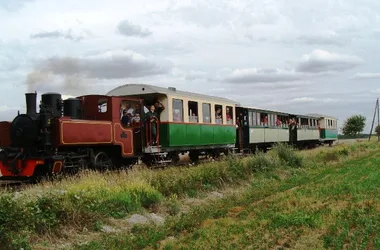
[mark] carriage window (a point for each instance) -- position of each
(193, 111)
(177, 110)
(250, 115)
(229, 114)
(218, 114)
(102, 105)
(304, 122)
(206, 110)
(258, 118)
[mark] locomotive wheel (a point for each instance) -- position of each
(102, 161)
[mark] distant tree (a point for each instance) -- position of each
(354, 125)
(377, 130)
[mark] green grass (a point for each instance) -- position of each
(281, 204)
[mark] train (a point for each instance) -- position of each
(144, 123)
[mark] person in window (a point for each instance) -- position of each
(125, 120)
(228, 115)
(136, 120)
(129, 110)
(152, 118)
(218, 115)
(265, 121)
(137, 109)
(278, 122)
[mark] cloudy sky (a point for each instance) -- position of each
(319, 57)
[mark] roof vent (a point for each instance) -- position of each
(172, 88)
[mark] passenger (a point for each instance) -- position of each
(218, 116)
(278, 122)
(151, 116)
(136, 120)
(228, 115)
(265, 120)
(159, 107)
(129, 110)
(137, 109)
(125, 120)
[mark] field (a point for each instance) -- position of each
(316, 199)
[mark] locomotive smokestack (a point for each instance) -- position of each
(31, 103)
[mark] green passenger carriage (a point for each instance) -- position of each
(328, 128)
(190, 122)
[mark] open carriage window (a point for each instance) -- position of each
(130, 113)
(193, 111)
(177, 110)
(218, 114)
(102, 105)
(229, 114)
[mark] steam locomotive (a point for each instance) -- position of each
(49, 141)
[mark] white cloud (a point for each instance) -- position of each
(366, 76)
(319, 61)
(255, 75)
(376, 91)
(312, 100)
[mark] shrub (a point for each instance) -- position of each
(262, 162)
(288, 155)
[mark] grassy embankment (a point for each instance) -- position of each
(312, 199)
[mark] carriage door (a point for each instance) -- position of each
(138, 129)
(293, 130)
(242, 131)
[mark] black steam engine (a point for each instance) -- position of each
(32, 135)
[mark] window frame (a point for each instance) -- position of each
(203, 113)
(181, 110)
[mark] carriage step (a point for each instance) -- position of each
(152, 149)
(163, 161)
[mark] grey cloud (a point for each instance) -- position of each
(126, 28)
(268, 75)
(77, 74)
(319, 61)
(109, 65)
(57, 34)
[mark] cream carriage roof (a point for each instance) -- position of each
(140, 89)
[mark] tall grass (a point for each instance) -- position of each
(90, 197)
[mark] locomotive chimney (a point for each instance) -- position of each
(31, 103)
